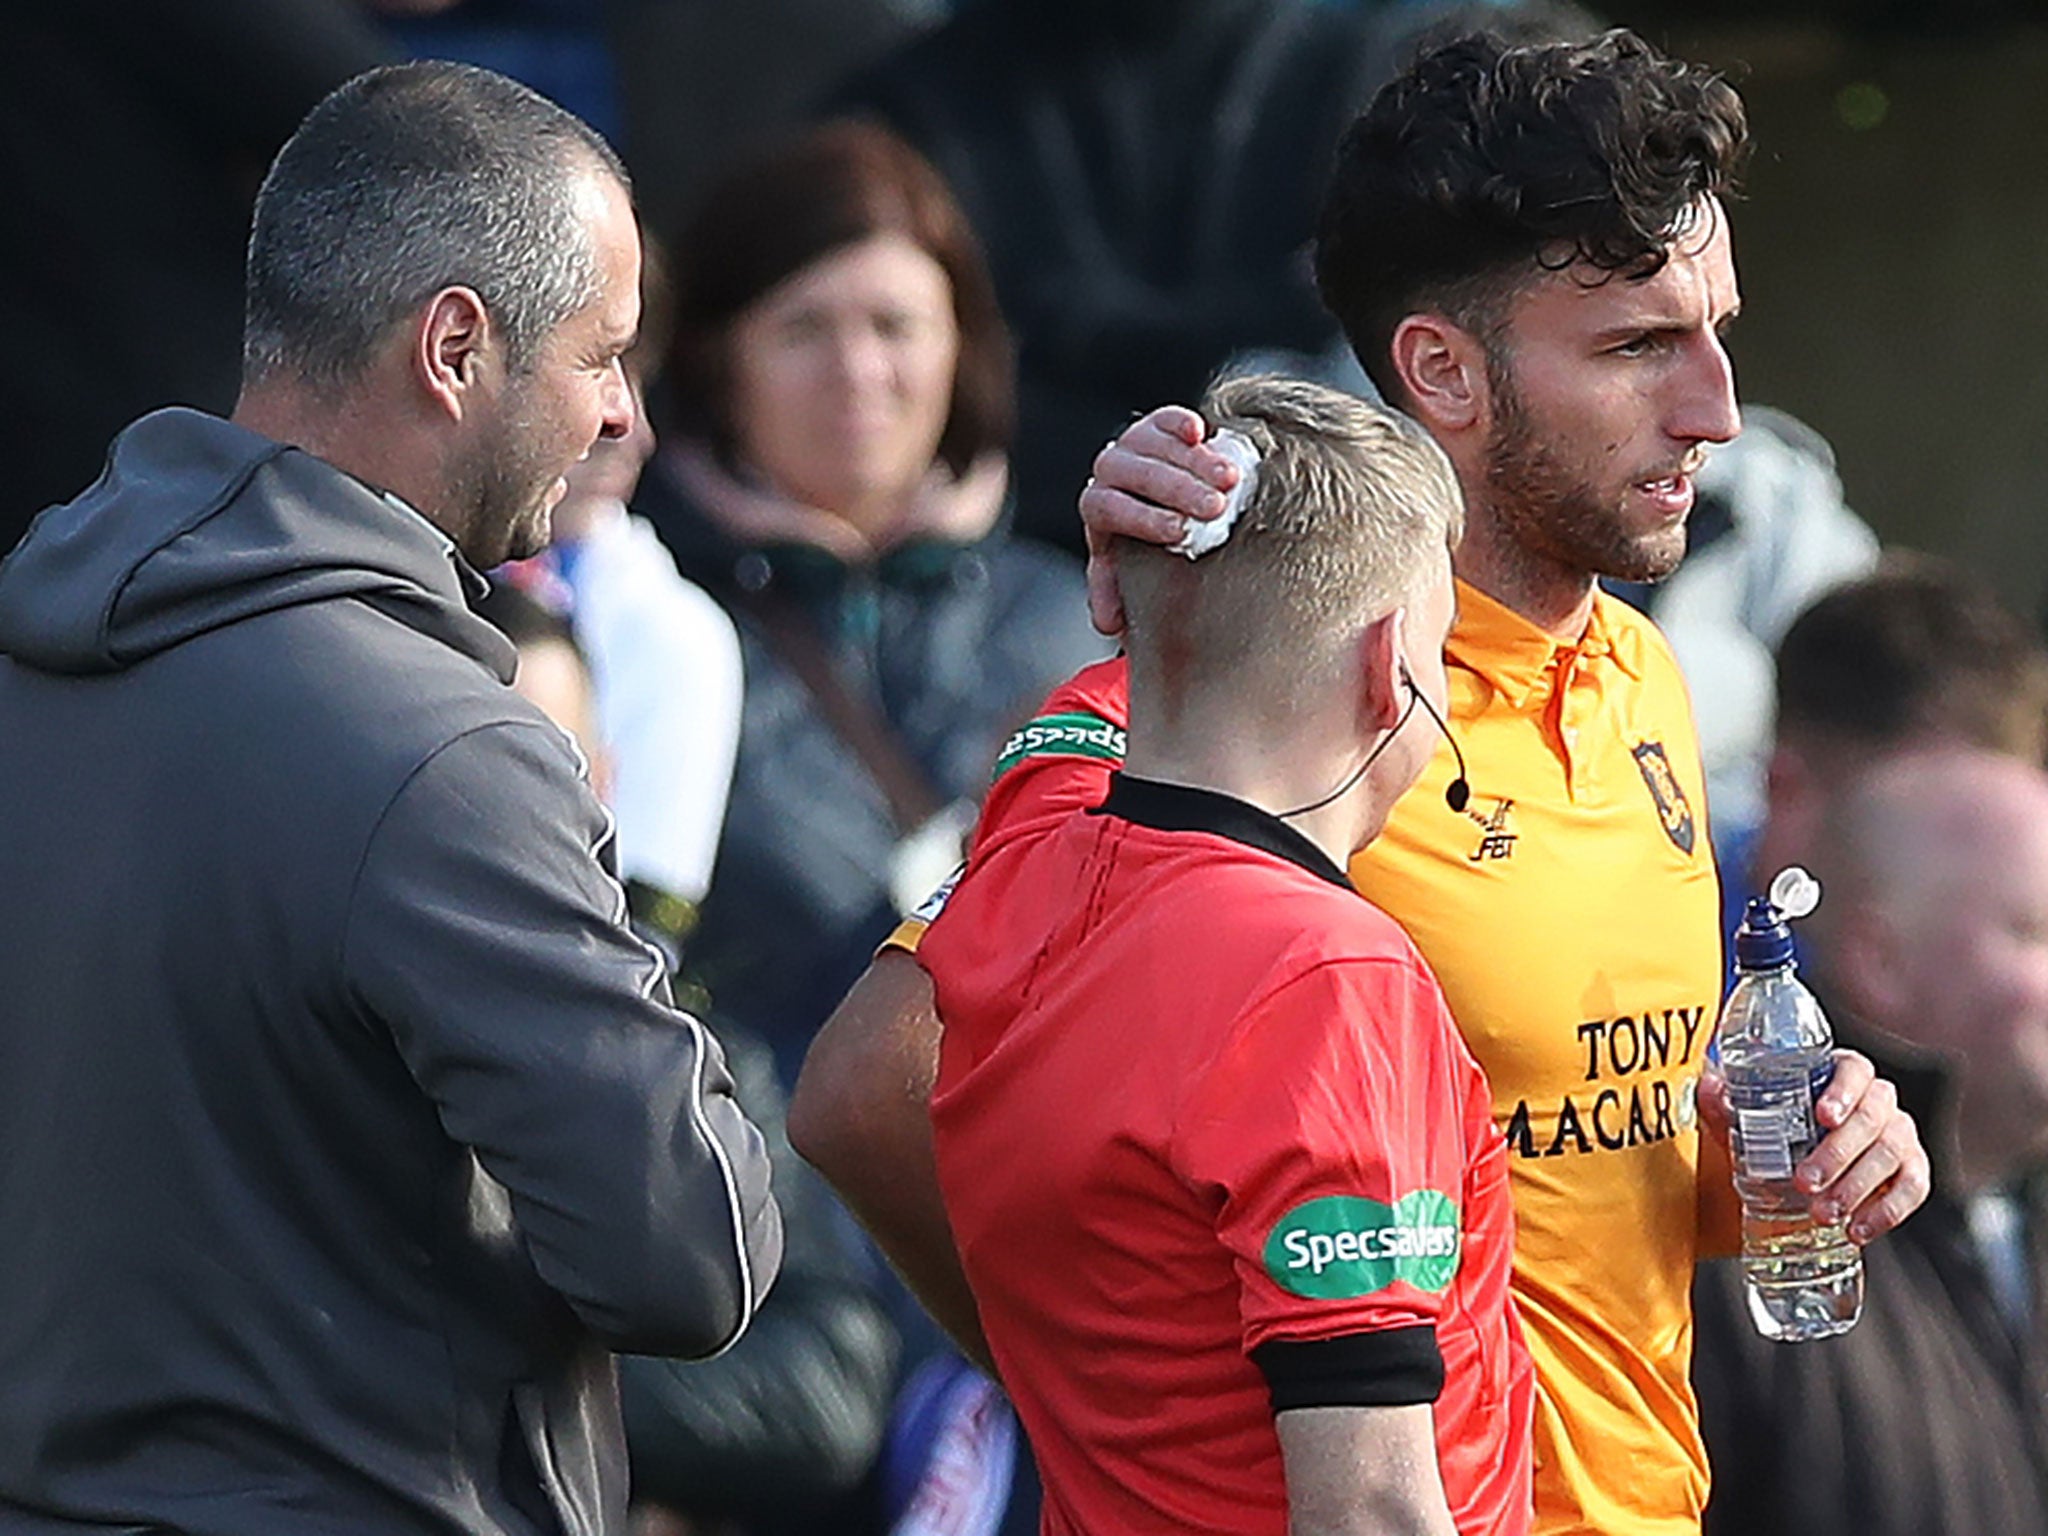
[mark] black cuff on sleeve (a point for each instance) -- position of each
(1388, 1368)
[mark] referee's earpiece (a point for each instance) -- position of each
(1458, 793)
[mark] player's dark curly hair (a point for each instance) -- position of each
(1482, 164)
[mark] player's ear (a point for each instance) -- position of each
(1442, 368)
(1383, 672)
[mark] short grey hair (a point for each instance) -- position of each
(404, 181)
(1353, 513)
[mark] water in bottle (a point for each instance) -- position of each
(1804, 1278)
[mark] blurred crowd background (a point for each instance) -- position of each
(793, 629)
(1887, 242)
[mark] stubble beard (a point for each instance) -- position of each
(1553, 513)
(505, 494)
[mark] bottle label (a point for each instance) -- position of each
(1773, 1126)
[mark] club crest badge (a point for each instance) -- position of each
(1673, 810)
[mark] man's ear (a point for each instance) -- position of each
(1382, 672)
(1442, 368)
(451, 345)
(1788, 779)
(1864, 964)
(1793, 808)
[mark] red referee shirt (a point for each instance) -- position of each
(1212, 1148)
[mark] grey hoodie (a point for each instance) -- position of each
(344, 1126)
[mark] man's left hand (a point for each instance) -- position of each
(1869, 1166)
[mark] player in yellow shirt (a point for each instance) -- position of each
(1528, 251)
(1573, 918)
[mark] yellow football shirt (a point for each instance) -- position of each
(1571, 913)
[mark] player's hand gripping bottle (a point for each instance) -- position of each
(1804, 1278)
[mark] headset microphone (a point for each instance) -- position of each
(1457, 793)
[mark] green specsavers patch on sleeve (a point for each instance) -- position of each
(1344, 1246)
(1076, 734)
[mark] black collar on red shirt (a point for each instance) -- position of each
(1181, 808)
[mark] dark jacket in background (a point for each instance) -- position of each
(778, 1433)
(135, 136)
(1929, 1418)
(950, 644)
(344, 1127)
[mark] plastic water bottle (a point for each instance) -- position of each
(1803, 1277)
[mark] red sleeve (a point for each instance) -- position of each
(1060, 760)
(1319, 1133)
(1054, 764)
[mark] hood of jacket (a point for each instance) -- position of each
(196, 524)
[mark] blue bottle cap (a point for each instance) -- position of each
(1764, 941)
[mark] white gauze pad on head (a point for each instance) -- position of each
(1200, 537)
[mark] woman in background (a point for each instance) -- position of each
(834, 472)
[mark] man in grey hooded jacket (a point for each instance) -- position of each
(344, 1125)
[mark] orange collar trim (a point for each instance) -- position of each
(1514, 656)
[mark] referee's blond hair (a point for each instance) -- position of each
(1354, 509)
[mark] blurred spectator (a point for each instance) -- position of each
(778, 1434)
(135, 134)
(842, 390)
(663, 654)
(553, 675)
(666, 660)
(1146, 175)
(1769, 533)
(1928, 1418)
(1919, 656)
(1918, 653)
